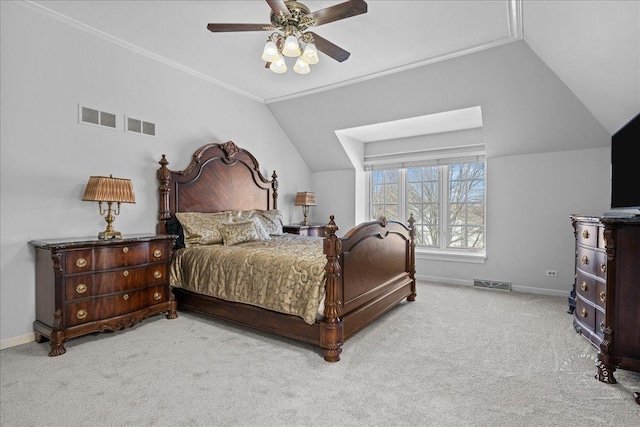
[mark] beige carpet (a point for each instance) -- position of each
(456, 356)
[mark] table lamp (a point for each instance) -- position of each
(111, 190)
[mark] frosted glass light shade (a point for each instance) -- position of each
(301, 67)
(278, 66)
(310, 54)
(291, 47)
(270, 52)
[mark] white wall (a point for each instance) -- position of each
(47, 157)
(529, 201)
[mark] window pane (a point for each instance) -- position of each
(457, 237)
(377, 177)
(391, 212)
(431, 236)
(391, 176)
(377, 194)
(414, 174)
(476, 237)
(475, 214)
(391, 193)
(414, 193)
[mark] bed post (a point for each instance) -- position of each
(274, 185)
(331, 327)
(412, 258)
(164, 176)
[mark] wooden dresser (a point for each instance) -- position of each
(607, 290)
(91, 285)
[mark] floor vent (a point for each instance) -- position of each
(92, 116)
(140, 127)
(492, 284)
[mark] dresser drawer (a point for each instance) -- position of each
(586, 259)
(121, 280)
(80, 312)
(600, 297)
(78, 261)
(585, 313)
(157, 294)
(602, 243)
(585, 286)
(588, 235)
(601, 264)
(121, 256)
(157, 273)
(79, 286)
(159, 251)
(600, 323)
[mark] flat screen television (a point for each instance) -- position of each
(625, 166)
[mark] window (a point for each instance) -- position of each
(447, 202)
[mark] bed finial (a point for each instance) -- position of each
(164, 176)
(274, 185)
(230, 150)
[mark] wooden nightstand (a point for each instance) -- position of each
(90, 285)
(305, 230)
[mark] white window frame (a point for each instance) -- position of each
(442, 253)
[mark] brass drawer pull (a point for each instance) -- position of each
(603, 297)
(157, 253)
(603, 267)
(125, 249)
(81, 288)
(602, 326)
(81, 262)
(584, 286)
(125, 273)
(125, 297)
(157, 296)
(583, 312)
(81, 314)
(585, 260)
(157, 274)
(585, 234)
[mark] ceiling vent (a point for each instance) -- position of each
(140, 126)
(95, 117)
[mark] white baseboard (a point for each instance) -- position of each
(514, 288)
(12, 342)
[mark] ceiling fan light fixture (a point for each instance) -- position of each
(301, 67)
(291, 47)
(310, 54)
(278, 66)
(270, 52)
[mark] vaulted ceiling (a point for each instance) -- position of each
(593, 46)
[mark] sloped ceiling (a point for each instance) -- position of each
(592, 46)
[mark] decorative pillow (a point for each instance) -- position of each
(271, 220)
(262, 233)
(239, 232)
(203, 228)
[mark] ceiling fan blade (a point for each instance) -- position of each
(330, 49)
(222, 28)
(339, 11)
(278, 6)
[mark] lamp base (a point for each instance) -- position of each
(105, 235)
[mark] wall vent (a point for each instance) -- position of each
(492, 284)
(95, 117)
(140, 126)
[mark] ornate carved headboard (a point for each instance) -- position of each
(220, 177)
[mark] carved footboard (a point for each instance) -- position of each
(368, 271)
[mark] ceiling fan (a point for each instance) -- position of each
(290, 21)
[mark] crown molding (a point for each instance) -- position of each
(129, 46)
(514, 21)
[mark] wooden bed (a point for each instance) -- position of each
(368, 271)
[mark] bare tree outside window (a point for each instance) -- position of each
(447, 202)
